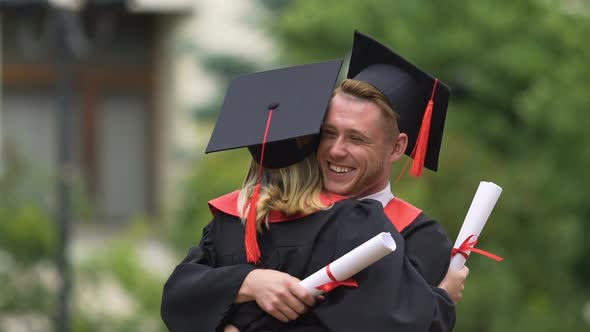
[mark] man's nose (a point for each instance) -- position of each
(338, 149)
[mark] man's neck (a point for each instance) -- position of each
(384, 195)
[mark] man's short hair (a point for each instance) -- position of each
(366, 92)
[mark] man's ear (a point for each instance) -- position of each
(399, 147)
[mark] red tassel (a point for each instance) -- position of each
(422, 143)
(250, 242)
(419, 153)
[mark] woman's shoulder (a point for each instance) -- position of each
(331, 199)
(363, 206)
(227, 204)
(353, 210)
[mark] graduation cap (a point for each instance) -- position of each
(419, 99)
(298, 97)
(267, 112)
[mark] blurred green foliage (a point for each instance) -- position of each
(28, 241)
(29, 279)
(518, 117)
(120, 262)
(26, 230)
(214, 175)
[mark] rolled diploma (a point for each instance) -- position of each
(481, 207)
(352, 263)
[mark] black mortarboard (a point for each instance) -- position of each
(266, 112)
(409, 90)
(299, 97)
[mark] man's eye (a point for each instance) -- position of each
(356, 139)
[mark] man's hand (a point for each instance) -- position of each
(454, 283)
(230, 328)
(277, 293)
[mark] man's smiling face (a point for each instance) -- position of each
(356, 150)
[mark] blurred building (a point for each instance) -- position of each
(121, 92)
(135, 92)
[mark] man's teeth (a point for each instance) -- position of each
(340, 169)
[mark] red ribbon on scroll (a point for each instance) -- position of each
(468, 245)
(350, 282)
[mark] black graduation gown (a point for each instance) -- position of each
(392, 296)
(428, 248)
(427, 245)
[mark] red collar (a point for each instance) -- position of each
(228, 204)
(401, 213)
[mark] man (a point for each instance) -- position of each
(371, 122)
(360, 143)
(388, 107)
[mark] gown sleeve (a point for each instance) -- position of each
(198, 294)
(392, 295)
(428, 248)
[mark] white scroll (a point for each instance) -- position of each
(481, 207)
(351, 263)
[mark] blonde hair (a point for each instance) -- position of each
(291, 190)
(364, 91)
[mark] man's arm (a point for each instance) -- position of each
(230, 328)
(428, 248)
